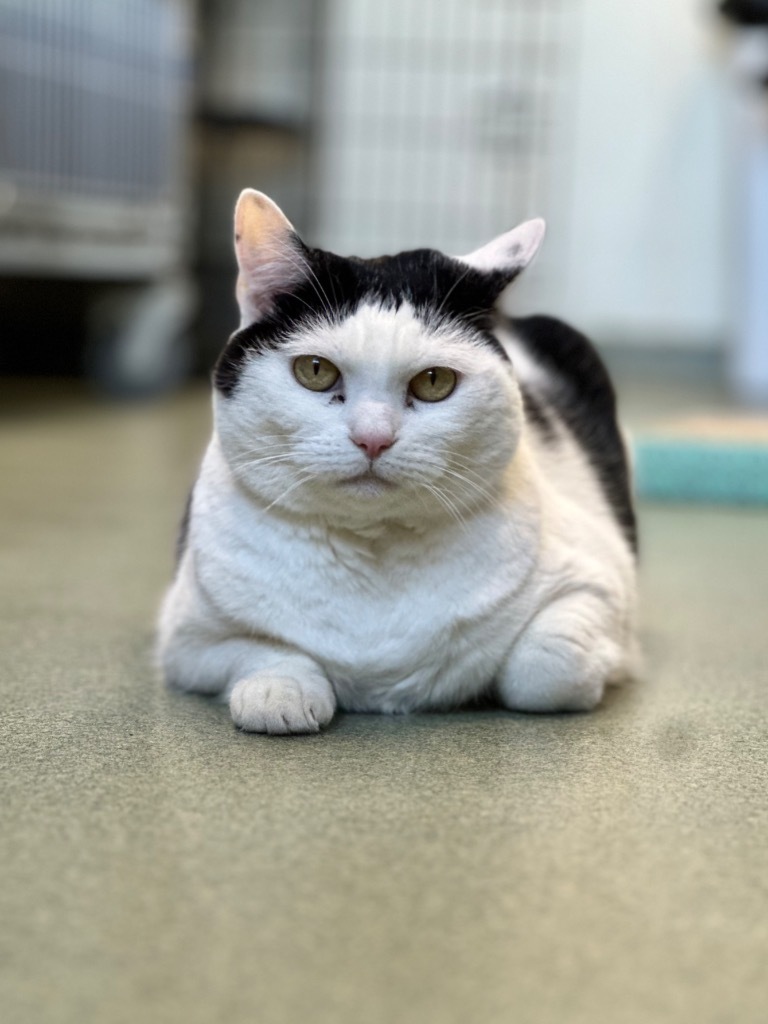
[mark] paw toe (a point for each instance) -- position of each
(278, 706)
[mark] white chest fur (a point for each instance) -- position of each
(403, 619)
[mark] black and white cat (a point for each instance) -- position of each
(408, 501)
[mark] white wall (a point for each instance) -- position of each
(648, 190)
(631, 176)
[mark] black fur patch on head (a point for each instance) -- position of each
(582, 394)
(440, 289)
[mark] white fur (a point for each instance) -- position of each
(479, 557)
(510, 252)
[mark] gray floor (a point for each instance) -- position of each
(478, 867)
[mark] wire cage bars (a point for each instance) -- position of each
(92, 124)
(443, 123)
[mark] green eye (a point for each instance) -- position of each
(315, 373)
(434, 384)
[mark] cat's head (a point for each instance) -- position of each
(361, 391)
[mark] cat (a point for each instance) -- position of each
(410, 501)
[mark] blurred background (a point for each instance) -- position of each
(640, 131)
(159, 865)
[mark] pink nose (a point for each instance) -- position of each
(373, 444)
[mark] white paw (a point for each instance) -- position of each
(276, 704)
(555, 676)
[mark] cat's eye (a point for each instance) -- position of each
(434, 384)
(315, 373)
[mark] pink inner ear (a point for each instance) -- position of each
(269, 260)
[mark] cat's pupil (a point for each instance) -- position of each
(316, 366)
(432, 374)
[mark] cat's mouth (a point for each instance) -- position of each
(368, 482)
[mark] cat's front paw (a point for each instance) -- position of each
(547, 681)
(277, 704)
(564, 660)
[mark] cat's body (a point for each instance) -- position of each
(358, 546)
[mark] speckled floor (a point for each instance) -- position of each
(157, 865)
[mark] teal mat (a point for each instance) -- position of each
(680, 468)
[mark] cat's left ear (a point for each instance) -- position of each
(510, 253)
(270, 256)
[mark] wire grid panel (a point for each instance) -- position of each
(441, 123)
(92, 132)
(257, 59)
(92, 96)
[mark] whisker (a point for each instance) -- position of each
(450, 291)
(469, 473)
(308, 475)
(267, 449)
(306, 270)
(461, 462)
(444, 500)
(482, 491)
(266, 460)
(452, 508)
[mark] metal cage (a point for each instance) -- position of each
(92, 124)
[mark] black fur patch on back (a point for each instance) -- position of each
(586, 401)
(439, 288)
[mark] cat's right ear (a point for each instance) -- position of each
(270, 256)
